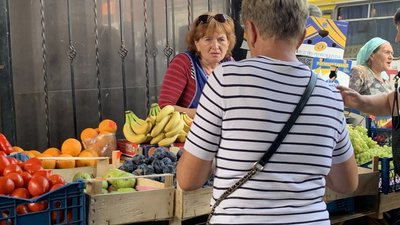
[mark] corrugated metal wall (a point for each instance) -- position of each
(58, 95)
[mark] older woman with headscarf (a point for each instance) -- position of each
(369, 77)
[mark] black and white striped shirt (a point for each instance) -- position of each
(242, 109)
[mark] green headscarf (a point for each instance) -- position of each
(367, 49)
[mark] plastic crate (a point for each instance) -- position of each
(67, 206)
(340, 206)
(389, 180)
(374, 130)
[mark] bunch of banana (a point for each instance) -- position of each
(169, 126)
(188, 121)
(136, 130)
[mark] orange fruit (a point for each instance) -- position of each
(32, 153)
(65, 164)
(90, 162)
(48, 163)
(94, 152)
(17, 149)
(52, 152)
(88, 133)
(71, 146)
(107, 126)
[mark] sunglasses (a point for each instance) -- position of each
(207, 18)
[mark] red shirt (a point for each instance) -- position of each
(179, 85)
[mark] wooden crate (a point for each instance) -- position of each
(101, 167)
(124, 208)
(386, 203)
(368, 185)
(189, 204)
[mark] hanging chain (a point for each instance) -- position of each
(123, 51)
(96, 31)
(46, 97)
(189, 13)
(168, 50)
(230, 8)
(71, 55)
(146, 53)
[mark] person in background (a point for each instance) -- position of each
(314, 10)
(380, 104)
(369, 76)
(333, 75)
(210, 41)
(243, 107)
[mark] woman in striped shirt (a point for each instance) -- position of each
(210, 42)
(243, 107)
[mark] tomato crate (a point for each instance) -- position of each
(379, 129)
(65, 205)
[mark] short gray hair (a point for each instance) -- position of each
(314, 10)
(283, 19)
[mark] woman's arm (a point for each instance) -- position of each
(192, 172)
(378, 105)
(190, 112)
(343, 177)
(175, 80)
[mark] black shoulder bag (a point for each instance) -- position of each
(259, 165)
(396, 127)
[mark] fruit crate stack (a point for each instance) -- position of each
(380, 129)
(389, 186)
(65, 205)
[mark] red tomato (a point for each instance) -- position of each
(26, 176)
(22, 209)
(32, 165)
(56, 186)
(37, 206)
(6, 186)
(12, 168)
(43, 173)
(5, 215)
(21, 193)
(17, 178)
(57, 216)
(3, 154)
(13, 160)
(38, 185)
(3, 163)
(56, 179)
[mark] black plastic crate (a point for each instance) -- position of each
(341, 206)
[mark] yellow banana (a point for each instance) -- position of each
(134, 138)
(159, 127)
(167, 141)
(137, 119)
(157, 138)
(139, 128)
(186, 127)
(152, 119)
(177, 129)
(173, 121)
(187, 119)
(181, 137)
(167, 110)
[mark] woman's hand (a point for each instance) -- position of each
(351, 98)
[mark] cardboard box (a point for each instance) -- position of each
(325, 38)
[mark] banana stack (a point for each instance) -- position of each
(162, 126)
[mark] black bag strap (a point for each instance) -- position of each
(285, 130)
(259, 165)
